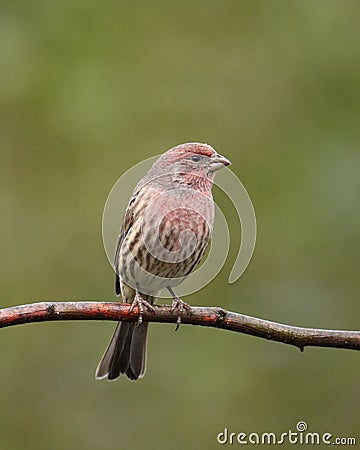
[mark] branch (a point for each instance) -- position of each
(205, 316)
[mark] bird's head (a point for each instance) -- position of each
(191, 164)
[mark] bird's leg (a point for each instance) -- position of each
(141, 303)
(178, 304)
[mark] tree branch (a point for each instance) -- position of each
(205, 316)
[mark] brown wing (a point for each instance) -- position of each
(124, 229)
(139, 198)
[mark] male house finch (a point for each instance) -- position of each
(163, 236)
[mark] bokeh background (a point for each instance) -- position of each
(88, 89)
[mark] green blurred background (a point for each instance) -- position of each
(88, 89)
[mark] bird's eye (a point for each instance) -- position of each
(195, 158)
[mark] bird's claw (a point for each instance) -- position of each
(180, 306)
(140, 303)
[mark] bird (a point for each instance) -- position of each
(164, 234)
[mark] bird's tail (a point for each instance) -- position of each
(126, 352)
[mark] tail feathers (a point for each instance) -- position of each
(137, 363)
(126, 353)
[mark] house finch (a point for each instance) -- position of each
(163, 236)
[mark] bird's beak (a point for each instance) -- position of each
(217, 162)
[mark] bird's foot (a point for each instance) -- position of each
(141, 304)
(179, 305)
